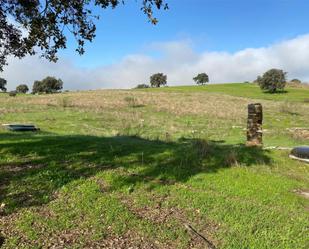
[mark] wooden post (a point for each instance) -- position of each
(254, 125)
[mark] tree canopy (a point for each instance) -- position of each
(22, 88)
(296, 81)
(272, 80)
(47, 85)
(158, 79)
(26, 26)
(201, 78)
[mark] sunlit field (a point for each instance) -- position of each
(146, 168)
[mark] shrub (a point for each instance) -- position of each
(201, 79)
(272, 80)
(158, 79)
(142, 86)
(22, 88)
(12, 93)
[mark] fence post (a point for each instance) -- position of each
(254, 125)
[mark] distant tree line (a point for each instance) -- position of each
(47, 85)
(272, 81)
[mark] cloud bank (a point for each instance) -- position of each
(177, 59)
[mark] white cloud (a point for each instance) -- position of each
(177, 59)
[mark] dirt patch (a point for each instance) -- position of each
(13, 168)
(72, 237)
(159, 213)
(128, 240)
(302, 192)
(299, 133)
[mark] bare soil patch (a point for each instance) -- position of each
(161, 214)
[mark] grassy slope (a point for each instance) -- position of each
(246, 90)
(130, 168)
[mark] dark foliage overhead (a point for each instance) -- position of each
(3, 84)
(26, 26)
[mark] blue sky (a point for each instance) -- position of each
(213, 25)
(231, 40)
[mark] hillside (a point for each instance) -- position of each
(298, 94)
(136, 168)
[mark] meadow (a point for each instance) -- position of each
(154, 168)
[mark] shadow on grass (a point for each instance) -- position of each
(276, 92)
(36, 166)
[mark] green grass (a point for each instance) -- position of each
(244, 90)
(105, 172)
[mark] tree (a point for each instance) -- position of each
(3, 84)
(296, 81)
(38, 87)
(158, 79)
(52, 85)
(22, 88)
(272, 80)
(201, 79)
(47, 85)
(27, 25)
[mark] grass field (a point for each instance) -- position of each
(298, 94)
(136, 168)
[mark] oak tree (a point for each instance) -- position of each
(32, 25)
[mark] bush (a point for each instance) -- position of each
(22, 88)
(12, 93)
(158, 79)
(272, 80)
(201, 79)
(47, 85)
(142, 86)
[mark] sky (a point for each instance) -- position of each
(230, 40)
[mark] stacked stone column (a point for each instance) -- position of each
(254, 125)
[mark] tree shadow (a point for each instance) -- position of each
(38, 165)
(276, 92)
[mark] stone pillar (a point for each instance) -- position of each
(254, 125)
